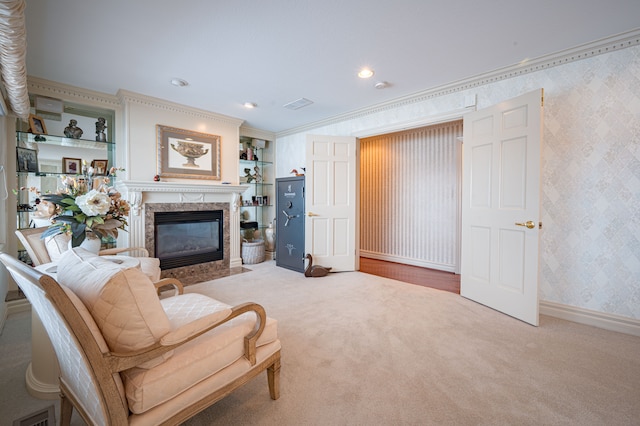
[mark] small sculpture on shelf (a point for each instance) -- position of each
(101, 125)
(257, 176)
(248, 176)
(72, 130)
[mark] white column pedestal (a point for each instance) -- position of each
(43, 372)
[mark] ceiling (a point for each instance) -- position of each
(277, 51)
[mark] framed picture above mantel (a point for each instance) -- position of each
(186, 154)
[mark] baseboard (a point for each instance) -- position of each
(13, 307)
(19, 305)
(596, 319)
(407, 261)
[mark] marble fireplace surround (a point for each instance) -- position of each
(149, 197)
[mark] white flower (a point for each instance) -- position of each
(94, 203)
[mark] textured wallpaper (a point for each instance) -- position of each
(590, 242)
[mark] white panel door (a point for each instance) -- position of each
(501, 206)
(330, 201)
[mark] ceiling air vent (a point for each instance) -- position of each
(298, 103)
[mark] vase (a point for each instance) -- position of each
(270, 238)
(91, 243)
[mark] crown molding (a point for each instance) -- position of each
(127, 97)
(584, 51)
(252, 132)
(40, 86)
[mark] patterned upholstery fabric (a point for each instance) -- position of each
(73, 365)
(199, 370)
(196, 360)
(123, 302)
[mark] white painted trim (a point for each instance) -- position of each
(598, 47)
(430, 120)
(406, 261)
(16, 306)
(252, 132)
(179, 187)
(603, 320)
(126, 97)
(40, 86)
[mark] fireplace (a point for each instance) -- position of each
(191, 240)
(188, 237)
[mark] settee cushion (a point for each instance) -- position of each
(123, 302)
(196, 360)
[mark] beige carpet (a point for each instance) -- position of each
(364, 350)
(360, 349)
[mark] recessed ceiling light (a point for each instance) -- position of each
(365, 73)
(250, 105)
(178, 82)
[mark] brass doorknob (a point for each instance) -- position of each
(529, 224)
(311, 214)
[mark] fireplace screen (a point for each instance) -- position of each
(188, 237)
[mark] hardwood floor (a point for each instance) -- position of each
(440, 280)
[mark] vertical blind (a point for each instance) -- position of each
(409, 196)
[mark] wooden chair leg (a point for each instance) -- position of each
(273, 376)
(66, 410)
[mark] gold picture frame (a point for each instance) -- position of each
(186, 154)
(100, 167)
(36, 125)
(71, 166)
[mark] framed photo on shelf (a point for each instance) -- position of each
(27, 160)
(71, 166)
(36, 125)
(186, 154)
(100, 167)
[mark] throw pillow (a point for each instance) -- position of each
(123, 302)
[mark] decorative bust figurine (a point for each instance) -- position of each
(101, 124)
(72, 130)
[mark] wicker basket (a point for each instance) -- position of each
(252, 252)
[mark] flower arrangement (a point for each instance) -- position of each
(80, 208)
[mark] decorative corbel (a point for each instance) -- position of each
(235, 201)
(135, 200)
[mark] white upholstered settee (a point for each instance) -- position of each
(128, 357)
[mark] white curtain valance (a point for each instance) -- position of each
(13, 53)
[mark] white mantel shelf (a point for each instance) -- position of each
(151, 186)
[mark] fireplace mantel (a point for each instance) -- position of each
(186, 192)
(149, 186)
(137, 193)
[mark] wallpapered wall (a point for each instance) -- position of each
(409, 196)
(590, 242)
